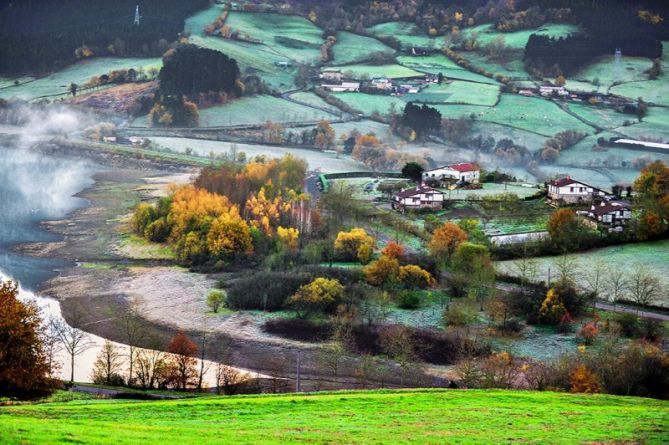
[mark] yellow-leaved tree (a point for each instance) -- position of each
(347, 244)
(321, 295)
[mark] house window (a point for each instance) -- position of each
(582, 189)
(571, 189)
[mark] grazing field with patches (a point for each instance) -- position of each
(370, 103)
(364, 71)
(407, 33)
(457, 92)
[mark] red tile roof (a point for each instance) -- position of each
(464, 167)
(416, 191)
(564, 181)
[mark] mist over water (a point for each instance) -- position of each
(35, 188)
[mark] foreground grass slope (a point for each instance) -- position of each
(429, 416)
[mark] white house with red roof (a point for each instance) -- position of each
(464, 172)
(416, 198)
(570, 191)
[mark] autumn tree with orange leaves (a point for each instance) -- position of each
(183, 362)
(445, 241)
(24, 369)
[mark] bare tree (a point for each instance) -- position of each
(528, 271)
(107, 364)
(52, 345)
(617, 284)
(566, 268)
(74, 340)
(133, 332)
(594, 278)
(149, 367)
(204, 365)
(644, 287)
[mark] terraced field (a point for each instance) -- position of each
(457, 92)
(370, 103)
(517, 40)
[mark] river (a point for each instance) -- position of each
(35, 188)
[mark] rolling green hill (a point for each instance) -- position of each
(415, 416)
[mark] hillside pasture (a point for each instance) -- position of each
(437, 63)
(517, 40)
(364, 71)
(58, 83)
(354, 48)
(370, 103)
(510, 66)
(655, 126)
(314, 100)
(604, 72)
(603, 117)
(410, 416)
(407, 33)
(317, 160)
(532, 141)
(457, 92)
(531, 114)
(654, 91)
(653, 257)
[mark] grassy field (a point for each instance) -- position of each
(255, 110)
(369, 103)
(300, 40)
(327, 162)
(602, 117)
(653, 257)
(59, 82)
(457, 92)
(393, 71)
(517, 40)
(354, 48)
(526, 113)
(314, 100)
(407, 33)
(418, 416)
(437, 63)
(603, 73)
(532, 141)
(655, 91)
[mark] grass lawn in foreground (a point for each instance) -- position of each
(413, 416)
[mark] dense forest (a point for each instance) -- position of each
(637, 28)
(42, 35)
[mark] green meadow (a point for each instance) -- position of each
(412, 416)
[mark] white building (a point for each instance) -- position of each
(570, 191)
(381, 83)
(340, 87)
(421, 197)
(547, 90)
(610, 215)
(465, 172)
(332, 75)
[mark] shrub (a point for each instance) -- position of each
(114, 380)
(408, 300)
(298, 329)
(320, 295)
(457, 316)
(157, 231)
(629, 324)
(584, 380)
(445, 348)
(265, 290)
(215, 299)
(412, 276)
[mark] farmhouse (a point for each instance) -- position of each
(464, 173)
(611, 215)
(547, 90)
(570, 191)
(332, 75)
(421, 197)
(343, 86)
(381, 83)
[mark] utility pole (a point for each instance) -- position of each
(297, 389)
(136, 22)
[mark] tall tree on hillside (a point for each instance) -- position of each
(24, 368)
(74, 340)
(413, 171)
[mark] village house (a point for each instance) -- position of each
(381, 83)
(463, 173)
(612, 215)
(341, 87)
(526, 93)
(547, 90)
(570, 191)
(407, 89)
(336, 76)
(417, 198)
(431, 78)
